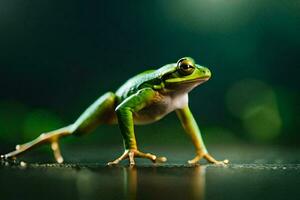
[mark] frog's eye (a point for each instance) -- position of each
(185, 67)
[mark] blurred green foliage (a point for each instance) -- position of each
(57, 57)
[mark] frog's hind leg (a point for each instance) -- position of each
(50, 137)
(100, 112)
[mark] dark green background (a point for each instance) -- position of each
(57, 57)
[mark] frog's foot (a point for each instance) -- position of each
(131, 153)
(51, 137)
(209, 158)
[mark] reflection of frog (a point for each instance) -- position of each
(145, 98)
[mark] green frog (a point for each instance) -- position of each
(143, 99)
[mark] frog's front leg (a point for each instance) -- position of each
(124, 112)
(189, 124)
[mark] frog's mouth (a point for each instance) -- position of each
(201, 80)
(180, 81)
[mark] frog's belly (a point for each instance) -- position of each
(159, 109)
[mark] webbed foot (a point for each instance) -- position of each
(131, 153)
(209, 158)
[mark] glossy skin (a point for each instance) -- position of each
(145, 98)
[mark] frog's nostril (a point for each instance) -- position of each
(207, 72)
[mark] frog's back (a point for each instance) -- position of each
(135, 83)
(144, 79)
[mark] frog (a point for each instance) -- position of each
(142, 99)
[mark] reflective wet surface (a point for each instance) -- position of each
(273, 176)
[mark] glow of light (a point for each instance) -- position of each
(254, 103)
(207, 15)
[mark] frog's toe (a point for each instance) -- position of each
(131, 158)
(153, 158)
(161, 159)
(212, 160)
(112, 163)
(195, 160)
(118, 160)
(222, 163)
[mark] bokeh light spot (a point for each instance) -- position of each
(210, 16)
(254, 102)
(263, 123)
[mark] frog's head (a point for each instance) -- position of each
(185, 74)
